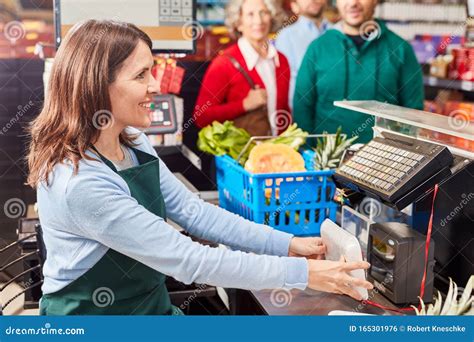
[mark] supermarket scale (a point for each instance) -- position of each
(419, 178)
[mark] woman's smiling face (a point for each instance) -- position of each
(132, 91)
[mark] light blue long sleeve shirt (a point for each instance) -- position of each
(293, 41)
(84, 215)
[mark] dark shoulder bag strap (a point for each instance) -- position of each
(244, 73)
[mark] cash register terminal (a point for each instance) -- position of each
(395, 169)
(164, 118)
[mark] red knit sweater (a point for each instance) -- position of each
(224, 88)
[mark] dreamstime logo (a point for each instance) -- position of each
(26, 284)
(370, 207)
(103, 207)
(368, 123)
(198, 111)
(97, 37)
(283, 119)
(43, 331)
(458, 119)
(291, 20)
(102, 119)
(370, 30)
(378, 287)
(13, 31)
(192, 207)
(458, 209)
(192, 30)
(192, 297)
(281, 297)
(14, 208)
(291, 198)
(102, 297)
(22, 110)
(458, 32)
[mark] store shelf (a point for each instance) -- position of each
(404, 11)
(409, 19)
(409, 30)
(424, 21)
(211, 12)
(447, 83)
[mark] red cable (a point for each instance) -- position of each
(386, 307)
(427, 249)
(427, 244)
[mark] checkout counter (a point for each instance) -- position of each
(444, 147)
(452, 233)
(281, 302)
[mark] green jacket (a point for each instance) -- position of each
(383, 69)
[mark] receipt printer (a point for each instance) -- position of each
(396, 253)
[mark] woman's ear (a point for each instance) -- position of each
(238, 27)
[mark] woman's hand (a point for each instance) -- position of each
(310, 247)
(333, 276)
(256, 98)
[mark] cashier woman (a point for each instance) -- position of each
(104, 197)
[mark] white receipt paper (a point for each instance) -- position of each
(340, 242)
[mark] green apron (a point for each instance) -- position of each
(117, 284)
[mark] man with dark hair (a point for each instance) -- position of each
(359, 59)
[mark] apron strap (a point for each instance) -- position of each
(105, 160)
(141, 156)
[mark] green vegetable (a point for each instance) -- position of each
(329, 150)
(223, 138)
(293, 137)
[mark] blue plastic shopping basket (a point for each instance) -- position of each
(296, 202)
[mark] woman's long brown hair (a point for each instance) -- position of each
(85, 65)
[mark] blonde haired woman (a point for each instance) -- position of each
(249, 81)
(104, 196)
